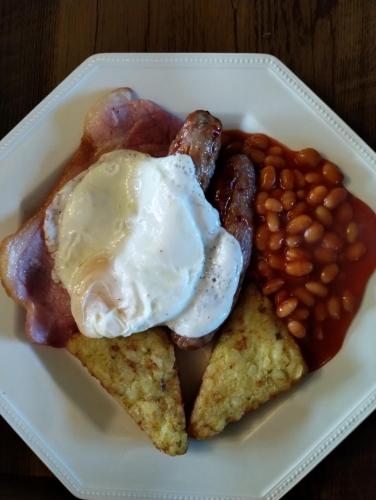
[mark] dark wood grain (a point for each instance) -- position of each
(330, 44)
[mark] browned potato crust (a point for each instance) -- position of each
(139, 372)
(254, 360)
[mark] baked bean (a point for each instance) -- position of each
(260, 141)
(272, 286)
(332, 173)
(246, 149)
(308, 157)
(304, 296)
(328, 273)
(299, 224)
(296, 328)
(299, 178)
(316, 195)
(298, 209)
(262, 237)
(355, 251)
(324, 215)
(276, 261)
(325, 255)
(334, 307)
(264, 269)
(288, 199)
(256, 155)
(286, 179)
(300, 194)
(267, 177)
(300, 313)
(272, 221)
(297, 254)
(308, 232)
(273, 205)
(294, 240)
(280, 296)
(274, 160)
(316, 288)
(348, 301)
(352, 232)
(261, 198)
(320, 312)
(286, 307)
(335, 197)
(276, 240)
(275, 150)
(313, 178)
(331, 240)
(314, 232)
(344, 213)
(299, 268)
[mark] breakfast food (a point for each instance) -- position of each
(312, 236)
(139, 372)
(233, 190)
(254, 359)
(96, 225)
(26, 268)
(307, 227)
(116, 121)
(148, 238)
(200, 138)
(85, 243)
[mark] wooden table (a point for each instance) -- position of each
(330, 44)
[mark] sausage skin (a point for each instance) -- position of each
(200, 138)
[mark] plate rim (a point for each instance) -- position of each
(350, 421)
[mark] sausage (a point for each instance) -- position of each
(231, 193)
(200, 138)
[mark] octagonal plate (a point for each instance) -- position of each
(63, 414)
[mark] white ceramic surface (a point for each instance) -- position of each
(91, 445)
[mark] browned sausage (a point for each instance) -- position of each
(232, 192)
(200, 138)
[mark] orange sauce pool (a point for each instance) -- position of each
(319, 327)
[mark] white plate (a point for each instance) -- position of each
(91, 445)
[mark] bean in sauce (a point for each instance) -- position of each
(315, 242)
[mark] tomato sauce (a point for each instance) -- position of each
(354, 277)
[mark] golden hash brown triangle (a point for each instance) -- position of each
(140, 373)
(254, 360)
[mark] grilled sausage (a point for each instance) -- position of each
(232, 192)
(200, 138)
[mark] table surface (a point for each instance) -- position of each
(329, 44)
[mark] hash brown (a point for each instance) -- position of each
(140, 373)
(254, 360)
